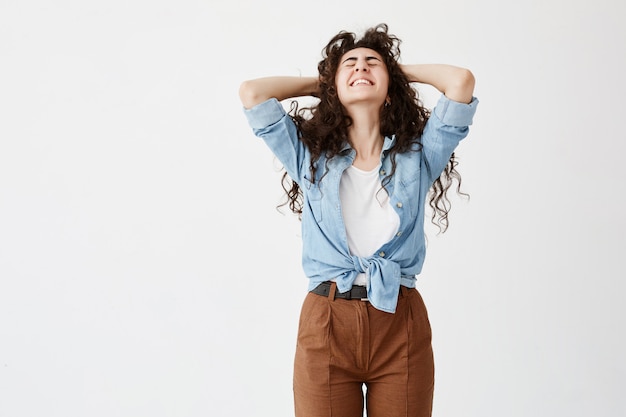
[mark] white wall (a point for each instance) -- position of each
(144, 270)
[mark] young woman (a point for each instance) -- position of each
(363, 161)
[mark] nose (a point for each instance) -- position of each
(361, 66)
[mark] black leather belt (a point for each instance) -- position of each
(357, 292)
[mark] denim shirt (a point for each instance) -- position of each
(325, 253)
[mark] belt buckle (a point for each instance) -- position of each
(364, 298)
(348, 295)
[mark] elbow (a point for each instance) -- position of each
(463, 88)
(467, 80)
(248, 94)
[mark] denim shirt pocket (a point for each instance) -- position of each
(313, 197)
(408, 191)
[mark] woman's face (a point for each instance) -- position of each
(362, 77)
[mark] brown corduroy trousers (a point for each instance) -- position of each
(346, 344)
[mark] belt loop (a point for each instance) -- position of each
(332, 291)
(404, 290)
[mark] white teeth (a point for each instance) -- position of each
(361, 81)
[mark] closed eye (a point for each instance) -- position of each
(371, 60)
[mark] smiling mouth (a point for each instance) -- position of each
(360, 81)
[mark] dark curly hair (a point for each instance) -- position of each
(323, 128)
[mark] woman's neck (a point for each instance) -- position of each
(365, 138)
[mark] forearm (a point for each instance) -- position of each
(253, 92)
(455, 82)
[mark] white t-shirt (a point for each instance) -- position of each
(369, 218)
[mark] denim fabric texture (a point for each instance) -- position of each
(325, 253)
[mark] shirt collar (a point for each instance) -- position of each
(387, 144)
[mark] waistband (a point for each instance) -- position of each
(357, 292)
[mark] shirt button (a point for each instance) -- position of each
(382, 172)
(381, 254)
(399, 234)
(399, 204)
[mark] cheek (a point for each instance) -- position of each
(340, 78)
(340, 82)
(384, 80)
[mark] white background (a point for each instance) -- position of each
(144, 268)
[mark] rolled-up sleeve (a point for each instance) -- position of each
(270, 122)
(453, 113)
(264, 114)
(447, 126)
